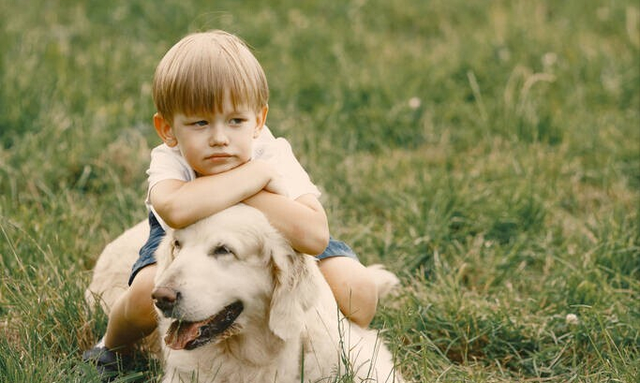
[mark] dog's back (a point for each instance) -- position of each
(331, 345)
(113, 267)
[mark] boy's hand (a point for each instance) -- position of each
(277, 186)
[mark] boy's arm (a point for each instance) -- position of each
(303, 221)
(181, 203)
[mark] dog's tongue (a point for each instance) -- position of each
(181, 333)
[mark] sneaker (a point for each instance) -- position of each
(107, 362)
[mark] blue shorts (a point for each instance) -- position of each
(147, 257)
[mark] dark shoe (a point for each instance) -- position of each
(107, 362)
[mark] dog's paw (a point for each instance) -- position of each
(385, 280)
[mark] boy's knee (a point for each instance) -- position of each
(353, 287)
(363, 300)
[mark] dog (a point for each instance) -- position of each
(237, 304)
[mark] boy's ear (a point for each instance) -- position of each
(261, 117)
(164, 130)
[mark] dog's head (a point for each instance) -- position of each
(227, 272)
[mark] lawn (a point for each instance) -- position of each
(488, 152)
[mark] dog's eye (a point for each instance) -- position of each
(220, 250)
(175, 247)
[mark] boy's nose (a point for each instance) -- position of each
(217, 137)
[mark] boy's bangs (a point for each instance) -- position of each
(210, 93)
(210, 79)
(204, 72)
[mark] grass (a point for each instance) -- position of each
(488, 152)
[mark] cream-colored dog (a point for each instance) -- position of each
(237, 304)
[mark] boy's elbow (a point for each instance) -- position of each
(318, 243)
(175, 223)
(323, 242)
(175, 218)
(322, 239)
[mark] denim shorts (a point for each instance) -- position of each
(147, 257)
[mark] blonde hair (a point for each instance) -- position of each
(201, 70)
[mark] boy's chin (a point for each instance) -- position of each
(216, 170)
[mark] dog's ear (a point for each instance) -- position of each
(294, 289)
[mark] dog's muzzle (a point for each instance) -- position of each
(165, 299)
(186, 335)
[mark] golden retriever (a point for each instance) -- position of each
(237, 304)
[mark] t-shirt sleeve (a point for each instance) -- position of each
(167, 163)
(296, 178)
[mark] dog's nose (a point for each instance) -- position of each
(165, 298)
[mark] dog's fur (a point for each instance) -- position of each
(290, 329)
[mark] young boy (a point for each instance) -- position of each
(211, 98)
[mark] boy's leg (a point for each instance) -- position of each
(353, 287)
(132, 317)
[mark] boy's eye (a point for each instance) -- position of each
(236, 121)
(201, 123)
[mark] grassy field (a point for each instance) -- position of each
(488, 152)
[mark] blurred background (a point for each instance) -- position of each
(488, 152)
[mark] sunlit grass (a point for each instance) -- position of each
(487, 152)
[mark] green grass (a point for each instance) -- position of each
(488, 152)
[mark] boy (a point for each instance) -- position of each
(211, 98)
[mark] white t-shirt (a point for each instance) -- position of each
(168, 163)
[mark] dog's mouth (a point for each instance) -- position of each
(183, 335)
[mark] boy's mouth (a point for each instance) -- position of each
(218, 156)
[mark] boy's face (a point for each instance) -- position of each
(213, 143)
